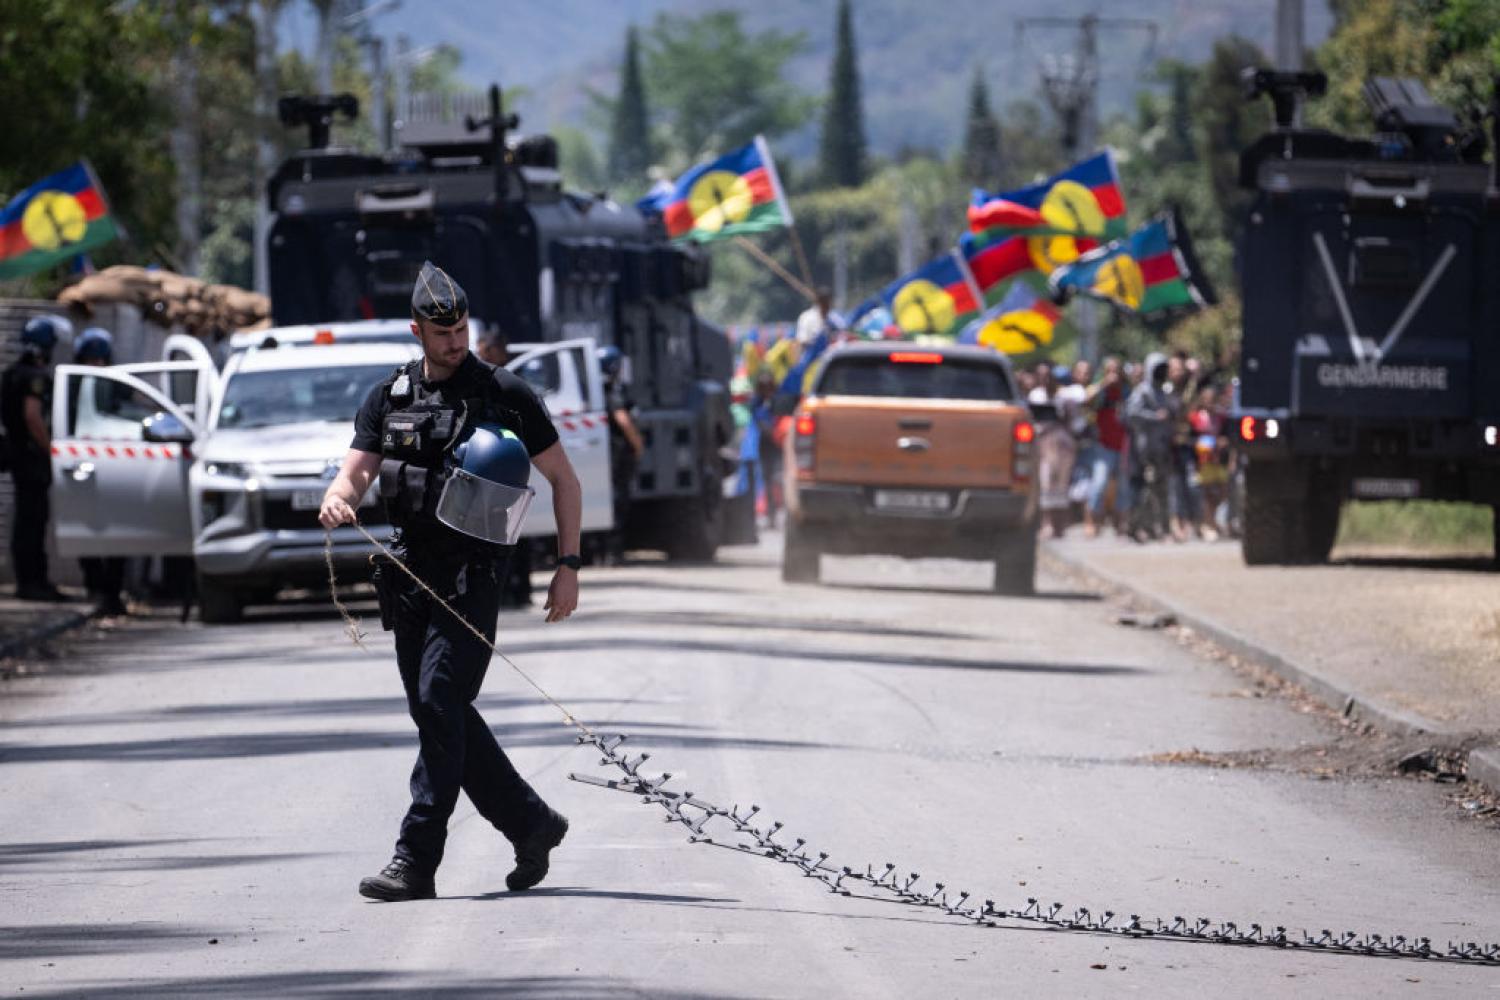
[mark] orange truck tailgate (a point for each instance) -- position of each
(884, 441)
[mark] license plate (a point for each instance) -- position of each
(912, 500)
(1388, 489)
(313, 499)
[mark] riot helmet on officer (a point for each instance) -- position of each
(94, 346)
(41, 334)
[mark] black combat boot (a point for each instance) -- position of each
(399, 881)
(532, 852)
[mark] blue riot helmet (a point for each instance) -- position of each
(487, 495)
(610, 361)
(94, 344)
(42, 333)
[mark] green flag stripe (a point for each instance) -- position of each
(1166, 295)
(99, 232)
(762, 217)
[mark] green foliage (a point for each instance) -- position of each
(1450, 528)
(842, 151)
(77, 80)
(715, 87)
(981, 158)
(1030, 143)
(630, 125)
(579, 160)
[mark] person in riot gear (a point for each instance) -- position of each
(441, 434)
(25, 406)
(626, 446)
(103, 576)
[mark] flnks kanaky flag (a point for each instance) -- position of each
(1022, 322)
(58, 217)
(1152, 270)
(936, 299)
(1083, 201)
(736, 194)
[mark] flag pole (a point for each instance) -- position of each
(770, 262)
(762, 147)
(801, 257)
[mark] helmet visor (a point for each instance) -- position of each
(481, 509)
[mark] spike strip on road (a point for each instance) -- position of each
(885, 884)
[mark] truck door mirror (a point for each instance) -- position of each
(163, 428)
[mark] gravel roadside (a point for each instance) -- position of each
(1422, 638)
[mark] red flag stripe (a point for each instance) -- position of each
(995, 263)
(1162, 267)
(1111, 202)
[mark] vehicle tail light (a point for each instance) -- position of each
(323, 337)
(916, 358)
(1022, 442)
(804, 429)
(1248, 429)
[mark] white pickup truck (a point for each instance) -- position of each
(177, 458)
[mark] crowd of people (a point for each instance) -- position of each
(1141, 448)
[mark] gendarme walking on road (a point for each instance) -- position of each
(452, 442)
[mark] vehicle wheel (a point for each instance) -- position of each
(1320, 523)
(799, 559)
(1270, 522)
(218, 604)
(1015, 562)
(695, 535)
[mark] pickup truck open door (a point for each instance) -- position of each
(566, 376)
(121, 449)
(195, 398)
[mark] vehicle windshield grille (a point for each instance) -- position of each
(266, 399)
(949, 379)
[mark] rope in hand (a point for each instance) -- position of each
(685, 809)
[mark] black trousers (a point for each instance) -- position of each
(28, 531)
(103, 577)
(442, 667)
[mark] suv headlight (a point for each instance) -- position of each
(233, 470)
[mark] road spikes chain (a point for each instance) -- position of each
(695, 814)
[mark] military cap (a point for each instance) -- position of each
(437, 298)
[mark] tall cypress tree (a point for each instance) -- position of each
(841, 155)
(630, 150)
(982, 155)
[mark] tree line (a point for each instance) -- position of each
(96, 78)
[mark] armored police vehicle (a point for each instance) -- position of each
(542, 263)
(1371, 351)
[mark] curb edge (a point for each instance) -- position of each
(1483, 764)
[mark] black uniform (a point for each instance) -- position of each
(622, 460)
(30, 468)
(442, 664)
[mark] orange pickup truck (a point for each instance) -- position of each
(916, 452)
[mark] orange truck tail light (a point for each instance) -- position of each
(1023, 440)
(804, 429)
(1247, 429)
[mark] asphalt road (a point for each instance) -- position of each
(187, 811)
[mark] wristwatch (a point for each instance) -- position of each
(573, 563)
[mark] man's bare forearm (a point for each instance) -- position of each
(567, 512)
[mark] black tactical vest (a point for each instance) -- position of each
(417, 439)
